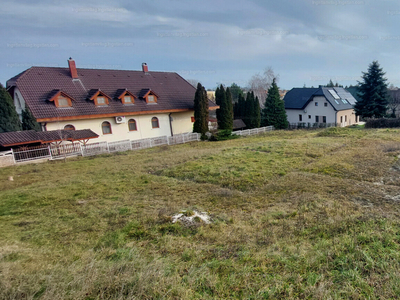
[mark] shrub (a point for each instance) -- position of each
(382, 123)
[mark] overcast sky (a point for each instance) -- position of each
(219, 41)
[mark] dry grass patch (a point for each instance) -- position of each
(296, 214)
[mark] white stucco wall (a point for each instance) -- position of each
(320, 110)
(181, 123)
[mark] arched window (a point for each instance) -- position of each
(69, 127)
(154, 123)
(106, 127)
(132, 125)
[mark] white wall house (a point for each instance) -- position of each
(313, 106)
(115, 104)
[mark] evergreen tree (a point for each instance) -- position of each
(330, 83)
(373, 96)
(225, 112)
(256, 113)
(274, 109)
(248, 110)
(200, 111)
(236, 91)
(28, 120)
(229, 110)
(9, 120)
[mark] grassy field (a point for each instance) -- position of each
(295, 214)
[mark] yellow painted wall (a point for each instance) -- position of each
(181, 123)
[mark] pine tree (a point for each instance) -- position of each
(28, 120)
(330, 83)
(225, 112)
(200, 111)
(256, 113)
(9, 120)
(274, 109)
(373, 96)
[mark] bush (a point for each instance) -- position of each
(223, 135)
(382, 123)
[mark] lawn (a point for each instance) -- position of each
(295, 214)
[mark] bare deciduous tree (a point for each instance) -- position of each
(193, 82)
(394, 100)
(260, 83)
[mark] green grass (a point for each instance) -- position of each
(295, 214)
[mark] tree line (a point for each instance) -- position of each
(246, 107)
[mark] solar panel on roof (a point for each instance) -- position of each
(334, 95)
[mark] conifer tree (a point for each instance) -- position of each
(28, 120)
(9, 120)
(200, 111)
(372, 92)
(225, 112)
(274, 109)
(256, 113)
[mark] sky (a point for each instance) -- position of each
(306, 42)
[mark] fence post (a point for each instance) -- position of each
(108, 148)
(51, 156)
(12, 153)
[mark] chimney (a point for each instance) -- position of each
(72, 68)
(145, 68)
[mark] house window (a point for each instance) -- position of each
(300, 118)
(151, 99)
(63, 101)
(192, 119)
(128, 100)
(101, 100)
(341, 119)
(326, 104)
(132, 125)
(316, 103)
(154, 123)
(69, 127)
(106, 128)
(345, 118)
(316, 119)
(324, 119)
(309, 116)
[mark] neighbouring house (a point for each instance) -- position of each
(115, 104)
(320, 106)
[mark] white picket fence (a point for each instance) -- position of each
(74, 149)
(253, 131)
(65, 150)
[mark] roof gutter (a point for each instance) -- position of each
(170, 123)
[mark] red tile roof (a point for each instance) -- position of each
(8, 139)
(37, 84)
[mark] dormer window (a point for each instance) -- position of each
(63, 101)
(128, 100)
(60, 99)
(100, 98)
(125, 96)
(149, 96)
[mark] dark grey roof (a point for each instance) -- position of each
(238, 123)
(298, 98)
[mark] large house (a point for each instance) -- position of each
(115, 104)
(331, 105)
